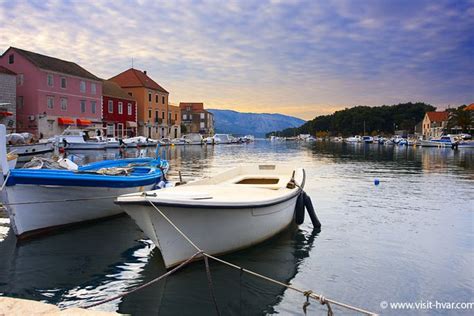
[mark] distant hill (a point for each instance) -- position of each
(257, 124)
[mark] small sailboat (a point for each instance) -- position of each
(213, 213)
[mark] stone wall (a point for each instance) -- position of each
(8, 95)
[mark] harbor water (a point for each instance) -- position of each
(397, 226)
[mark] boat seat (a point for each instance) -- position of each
(257, 181)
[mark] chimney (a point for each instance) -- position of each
(144, 71)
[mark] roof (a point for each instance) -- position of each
(195, 106)
(133, 78)
(437, 116)
(7, 71)
(112, 89)
(54, 64)
(470, 107)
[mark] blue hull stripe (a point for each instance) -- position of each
(141, 176)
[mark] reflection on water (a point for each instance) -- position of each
(410, 238)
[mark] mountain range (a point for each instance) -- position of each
(257, 124)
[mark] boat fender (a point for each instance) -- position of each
(299, 209)
(310, 209)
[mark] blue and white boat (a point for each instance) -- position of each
(39, 200)
(368, 139)
(443, 141)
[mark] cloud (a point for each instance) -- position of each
(296, 57)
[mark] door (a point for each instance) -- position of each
(120, 130)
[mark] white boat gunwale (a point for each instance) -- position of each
(207, 203)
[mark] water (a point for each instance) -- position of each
(409, 239)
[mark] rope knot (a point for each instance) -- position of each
(307, 303)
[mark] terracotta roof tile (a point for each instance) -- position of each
(7, 71)
(470, 107)
(112, 89)
(135, 78)
(437, 116)
(54, 64)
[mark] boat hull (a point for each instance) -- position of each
(86, 146)
(31, 149)
(430, 143)
(68, 205)
(236, 228)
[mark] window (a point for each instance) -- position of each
(163, 100)
(50, 102)
(19, 102)
(63, 104)
(120, 108)
(82, 86)
(20, 79)
(93, 106)
(169, 116)
(63, 82)
(156, 116)
(201, 125)
(83, 106)
(149, 113)
(129, 109)
(50, 80)
(163, 115)
(93, 88)
(156, 98)
(176, 116)
(202, 116)
(111, 106)
(188, 108)
(110, 130)
(130, 94)
(185, 116)
(11, 59)
(149, 97)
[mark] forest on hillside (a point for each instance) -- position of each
(378, 120)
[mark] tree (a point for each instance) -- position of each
(460, 118)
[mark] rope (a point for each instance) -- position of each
(317, 297)
(211, 288)
(174, 226)
(146, 284)
(307, 303)
(5, 181)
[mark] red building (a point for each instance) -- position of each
(119, 111)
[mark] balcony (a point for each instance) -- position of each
(158, 120)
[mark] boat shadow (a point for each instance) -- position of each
(187, 293)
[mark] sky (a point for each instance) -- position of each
(301, 58)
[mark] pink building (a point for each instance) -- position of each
(53, 94)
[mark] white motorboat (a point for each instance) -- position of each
(31, 149)
(222, 139)
(193, 139)
(111, 142)
(77, 139)
(443, 141)
(213, 212)
(354, 139)
(368, 139)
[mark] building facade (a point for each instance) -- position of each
(119, 111)
(152, 102)
(196, 119)
(434, 124)
(8, 99)
(53, 94)
(174, 121)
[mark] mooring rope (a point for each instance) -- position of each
(318, 297)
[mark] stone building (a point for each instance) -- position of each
(196, 119)
(8, 99)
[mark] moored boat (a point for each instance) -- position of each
(443, 141)
(77, 139)
(212, 212)
(42, 199)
